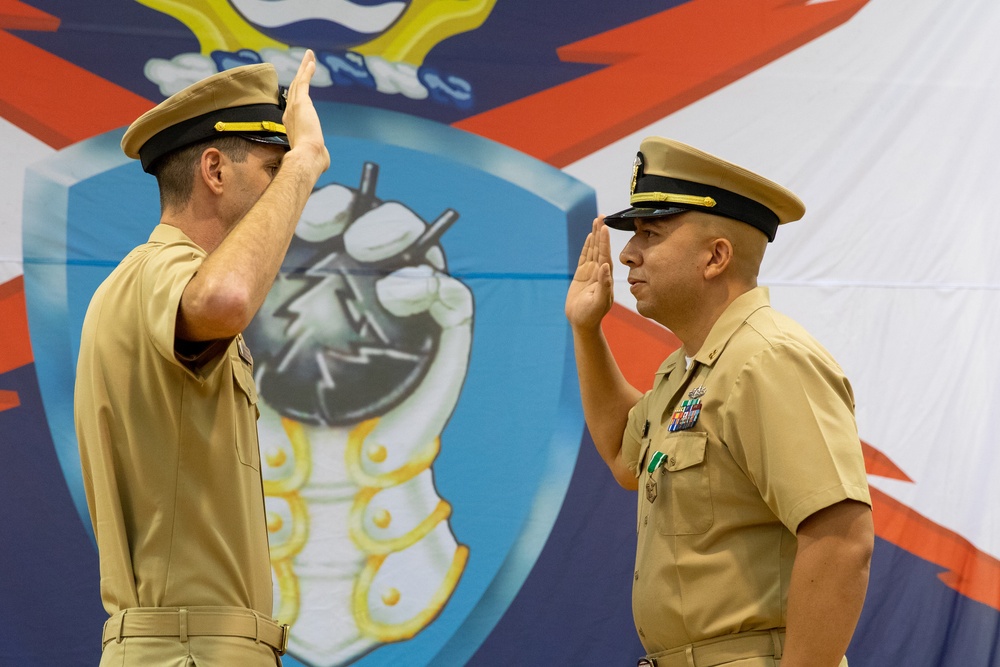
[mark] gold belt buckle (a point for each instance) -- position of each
(285, 629)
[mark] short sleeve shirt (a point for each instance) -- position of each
(171, 465)
(732, 453)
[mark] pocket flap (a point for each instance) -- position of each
(685, 449)
(643, 450)
(244, 379)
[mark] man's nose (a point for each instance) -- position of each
(628, 256)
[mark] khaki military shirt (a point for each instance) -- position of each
(764, 436)
(169, 451)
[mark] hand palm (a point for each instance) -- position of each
(590, 294)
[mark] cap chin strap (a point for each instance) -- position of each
(261, 126)
(692, 200)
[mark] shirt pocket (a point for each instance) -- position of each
(683, 504)
(245, 414)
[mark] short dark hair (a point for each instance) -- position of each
(174, 171)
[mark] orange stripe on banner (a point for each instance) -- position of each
(15, 346)
(877, 463)
(656, 66)
(15, 15)
(971, 572)
(50, 98)
(8, 400)
(638, 344)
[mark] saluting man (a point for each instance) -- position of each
(754, 518)
(166, 406)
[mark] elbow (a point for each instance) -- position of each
(860, 547)
(859, 558)
(629, 484)
(232, 314)
(866, 548)
(860, 561)
(625, 478)
(865, 536)
(217, 311)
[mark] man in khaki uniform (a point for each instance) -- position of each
(166, 405)
(754, 520)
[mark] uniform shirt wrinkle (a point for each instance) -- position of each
(773, 385)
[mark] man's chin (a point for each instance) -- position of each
(644, 309)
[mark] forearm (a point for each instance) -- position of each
(236, 277)
(607, 398)
(827, 590)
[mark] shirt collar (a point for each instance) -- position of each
(731, 319)
(168, 234)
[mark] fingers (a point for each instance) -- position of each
(308, 60)
(590, 293)
(585, 252)
(307, 68)
(605, 280)
(600, 247)
(595, 241)
(596, 251)
(302, 125)
(601, 243)
(603, 273)
(300, 82)
(592, 245)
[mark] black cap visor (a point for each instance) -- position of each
(625, 220)
(277, 139)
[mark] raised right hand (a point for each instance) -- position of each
(301, 120)
(591, 292)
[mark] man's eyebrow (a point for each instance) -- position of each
(652, 222)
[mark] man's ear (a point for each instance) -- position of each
(210, 169)
(721, 250)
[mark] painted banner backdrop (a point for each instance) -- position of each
(480, 138)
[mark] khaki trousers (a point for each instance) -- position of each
(746, 649)
(195, 652)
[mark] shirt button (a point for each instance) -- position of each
(645, 520)
(637, 575)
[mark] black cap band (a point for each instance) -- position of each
(203, 127)
(724, 202)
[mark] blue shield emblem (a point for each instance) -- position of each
(420, 414)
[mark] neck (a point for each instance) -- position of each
(703, 315)
(202, 227)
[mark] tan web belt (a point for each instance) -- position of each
(720, 650)
(196, 622)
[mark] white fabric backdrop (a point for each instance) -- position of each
(887, 128)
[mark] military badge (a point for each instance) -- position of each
(656, 461)
(650, 489)
(686, 415)
(636, 172)
(244, 351)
